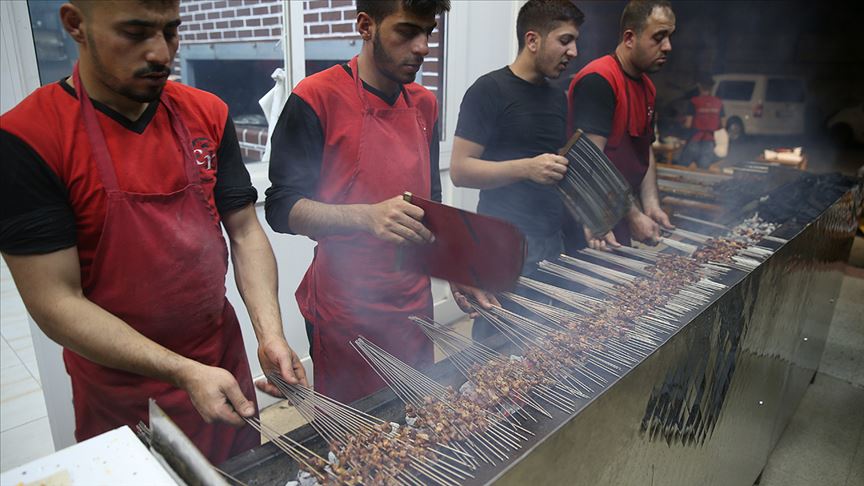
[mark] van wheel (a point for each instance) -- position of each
(735, 128)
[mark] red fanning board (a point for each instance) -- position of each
(470, 249)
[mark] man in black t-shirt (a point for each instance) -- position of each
(512, 124)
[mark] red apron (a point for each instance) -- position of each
(631, 157)
(706, 117)
(160, 266)
(353, 286)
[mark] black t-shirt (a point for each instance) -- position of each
(513, 119)
(297, 155)
(593, 105)
(35, 214)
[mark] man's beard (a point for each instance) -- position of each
(645, 65)
(383, 60)
(548, 61)
(114, 84)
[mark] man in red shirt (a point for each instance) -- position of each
(612, 101)
(704, 116)
(115, 185)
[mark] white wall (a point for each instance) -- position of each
(18, 73)
(480, 38)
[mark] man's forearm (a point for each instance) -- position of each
(484, 174)
(81, 326)
(315, 219)
(649, 194)
(256, 276)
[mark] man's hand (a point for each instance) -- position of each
(397, 221)
(216, 395)
(659, 216)
(485, 299)
(276, 355)
(600, 243)
(545, 168)
(643, 228)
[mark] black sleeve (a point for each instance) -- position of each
(296, 154)
(691, 109)
(593, 105)
(479, 111)
(434, 156)
(35, 215)
(234, 189)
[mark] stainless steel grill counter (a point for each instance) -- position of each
(708, 402)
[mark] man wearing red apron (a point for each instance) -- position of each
(350, 140)
(115, 186)
(612, 101)
(704, 116)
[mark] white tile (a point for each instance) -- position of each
(20, 344)
(25, 443)
(33, 368)
(8, 357)
(23, 347)
(21, 398)
(15, 328)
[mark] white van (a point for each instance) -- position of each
(761, 104)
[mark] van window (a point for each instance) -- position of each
(735, 90)
(785, 90)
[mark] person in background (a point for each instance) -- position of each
(116, 185)
(350, 140)
(704, 116)
(612, 100)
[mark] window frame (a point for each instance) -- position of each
(735, 84)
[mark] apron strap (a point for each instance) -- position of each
(101, 155)
(181, 134)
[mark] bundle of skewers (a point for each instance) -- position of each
(506, 384)
(365, 449)
(443, 415)
(593, 190)
(740, 248)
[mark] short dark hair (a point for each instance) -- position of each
(380, 9)
(636, 14)
(541, 16)
(86, 6)
(705, 81)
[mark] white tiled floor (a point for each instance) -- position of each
(24, 431)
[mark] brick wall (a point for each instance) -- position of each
(206, 21)
(336, 19)
(252, 142)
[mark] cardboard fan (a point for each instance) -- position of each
(469, 249)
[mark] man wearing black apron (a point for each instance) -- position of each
(612, 101)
